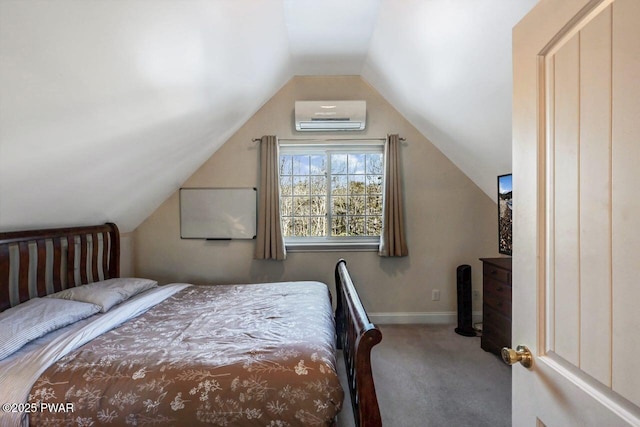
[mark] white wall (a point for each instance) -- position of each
(450, 221)
(127, 265)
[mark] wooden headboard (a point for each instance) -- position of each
(36, 263)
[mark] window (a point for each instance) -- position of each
(331, 195)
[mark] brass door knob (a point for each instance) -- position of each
(520, 354)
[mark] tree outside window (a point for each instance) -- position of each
(331, 193)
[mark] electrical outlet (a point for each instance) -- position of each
(435, 295)
(476, 294)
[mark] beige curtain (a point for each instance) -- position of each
(392, 241)
(269, 240)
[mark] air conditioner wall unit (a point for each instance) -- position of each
(330, 115)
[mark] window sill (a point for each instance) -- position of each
(332, 247)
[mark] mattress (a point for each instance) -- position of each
(226, 355)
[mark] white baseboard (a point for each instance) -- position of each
(435, 318)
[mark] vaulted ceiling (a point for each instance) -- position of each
(107, 107)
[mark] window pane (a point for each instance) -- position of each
(374, 225)
(340, 195)
(286, 206)
(318, 206)
(318, 226)
(338, 185)
(374, 184)
(301, 206)
(338, 164)
(286, 187)
(318, 165)
(301, 165)
(356, 184)
(374, 163)
(300, 185)
(356, 226)
(285, 165)
(301, 226)
(356, 206)
(287, 226)
(319, 185)
(339, 205)
(374, 205)
(339, 226)
(355, 163)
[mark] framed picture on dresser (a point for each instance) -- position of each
(505, 206)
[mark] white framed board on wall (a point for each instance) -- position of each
(218, 213)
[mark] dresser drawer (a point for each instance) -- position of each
(497, 295)
(495, 326)
(498, 303)
(499, 274)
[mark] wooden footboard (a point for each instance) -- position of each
(356, 337)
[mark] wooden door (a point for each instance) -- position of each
(576, 186)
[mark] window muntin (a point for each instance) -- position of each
(330, 193)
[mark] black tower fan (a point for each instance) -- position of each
(465, 321)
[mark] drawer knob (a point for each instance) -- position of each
(520, 354)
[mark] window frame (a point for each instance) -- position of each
(328, 147)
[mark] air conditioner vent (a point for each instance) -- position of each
(330, 115)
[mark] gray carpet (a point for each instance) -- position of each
(429, 376)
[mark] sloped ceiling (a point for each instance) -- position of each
(107, 107)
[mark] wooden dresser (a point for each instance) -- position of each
(496, 305)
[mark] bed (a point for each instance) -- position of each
(178, 354)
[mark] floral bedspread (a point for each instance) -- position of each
(240, 355)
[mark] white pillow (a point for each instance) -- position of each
(107, 293)
(24, 323)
